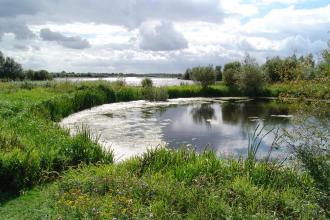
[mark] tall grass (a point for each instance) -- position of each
(40, 147)
(168, 184)
(255, 140)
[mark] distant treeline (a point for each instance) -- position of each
(11, 70)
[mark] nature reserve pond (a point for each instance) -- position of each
(221, 124)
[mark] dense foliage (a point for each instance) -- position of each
(38, 75)
(249, 77)
(231, 73)
(250, 80)
(11, 70)
(218, 73)
(205, 75)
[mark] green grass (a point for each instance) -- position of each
(34, 151)
(33, 204)
(167, 184)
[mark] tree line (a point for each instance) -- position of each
(12, 70)
(247, 75)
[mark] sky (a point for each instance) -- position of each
(158, 36)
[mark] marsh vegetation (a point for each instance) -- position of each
(43, 167)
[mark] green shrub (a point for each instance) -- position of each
(187, 74)
(155, 94)
(204, 75)
(85, 149)
(251, 77)
(273, 69)
(218, 72)
(231, 73)
(127, 93)
(146, 82)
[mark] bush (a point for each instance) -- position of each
(187, 74)
(251, 78)
(204, 75)
(218, 72)
(273, 69)
(155, 94)
(231, 74)
(146, 82)
(10, 69)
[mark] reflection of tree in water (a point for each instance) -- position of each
(241, 113)
(230, 113)
(203, 113)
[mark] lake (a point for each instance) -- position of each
(133, 81)
(220, 124)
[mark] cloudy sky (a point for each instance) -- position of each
(157, 35)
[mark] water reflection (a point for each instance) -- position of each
(203, 114)
(223, 125)
(131, 128)
(243, 113)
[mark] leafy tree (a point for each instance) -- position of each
(289, 71)
(251, 78)
(273, 69)
(231, 73)
(218, 73)
(187, 74)
(11, 70)
(2, 62)
(326, 54)
(204, 75)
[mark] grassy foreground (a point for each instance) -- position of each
(35, 151)
(166, 184)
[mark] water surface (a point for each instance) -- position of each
(133, 81)
(222, 125)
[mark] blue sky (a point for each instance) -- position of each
(158, 35)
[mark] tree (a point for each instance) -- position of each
(273, 69)
(326, 54)
(323, 68)
(2, 62)
(251, 77)
(38, 75)
(231, 73)
(204, 75)
(187, 74)
(218, 73)
(11, 70)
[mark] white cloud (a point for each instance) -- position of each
(156, 35)
(74, 42)
(239, 8)
(161, 37)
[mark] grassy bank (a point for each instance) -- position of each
(35, 151)
(165, 184)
